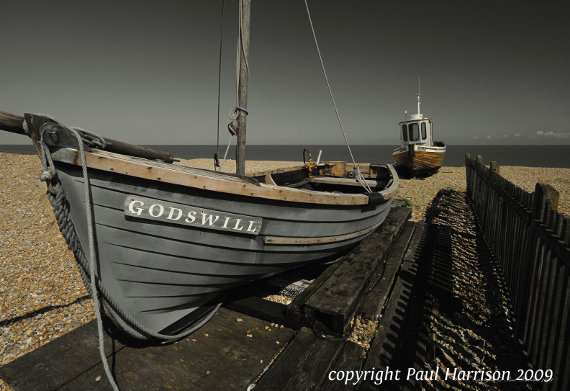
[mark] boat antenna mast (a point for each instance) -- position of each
(243, 78)
(419, 100)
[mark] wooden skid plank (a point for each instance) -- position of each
(220, 355)
(411, 252)
(385, 345)
(374, 302)
(57, 362)
(333, 305)
(315, 366)
(295, 310)
(303, 365)
(288, 361)
(350, 358)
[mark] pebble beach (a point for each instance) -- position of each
(42, 296)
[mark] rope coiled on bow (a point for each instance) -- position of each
(88, 265)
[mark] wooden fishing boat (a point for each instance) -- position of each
(159, 243)
(419, 154)
(171, 239)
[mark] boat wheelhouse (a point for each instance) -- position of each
(419, 153)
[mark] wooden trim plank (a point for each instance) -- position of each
(282, 240)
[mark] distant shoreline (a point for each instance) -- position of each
(553, 156)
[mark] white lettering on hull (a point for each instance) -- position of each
(190, 216)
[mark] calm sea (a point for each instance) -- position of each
(557, 156)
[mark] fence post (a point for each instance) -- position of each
(551, 194)
(498, 211)
(484, 193)
(467, 175)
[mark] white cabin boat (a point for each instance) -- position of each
(419, 153)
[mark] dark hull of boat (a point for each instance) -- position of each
(164, 275)
(418, 162)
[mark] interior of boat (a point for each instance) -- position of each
(335, 176)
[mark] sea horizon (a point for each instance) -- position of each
(554, 156)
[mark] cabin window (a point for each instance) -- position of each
(414, 132)
(424, 135)
(405, 132)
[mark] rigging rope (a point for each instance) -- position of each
(233, 113)
(240, 48)
(357, 172)
(232, 126)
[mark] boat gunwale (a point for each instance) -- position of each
(221, 182)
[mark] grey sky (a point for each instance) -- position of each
(146, 72)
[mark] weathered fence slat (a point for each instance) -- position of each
(530, 240)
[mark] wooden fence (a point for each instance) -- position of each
(530, 239)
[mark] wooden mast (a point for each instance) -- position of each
(245, 7)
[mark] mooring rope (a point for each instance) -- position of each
(91, 237)
(57, 198)
(92, 261)
(357, 173)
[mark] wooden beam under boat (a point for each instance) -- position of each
(210, 180)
